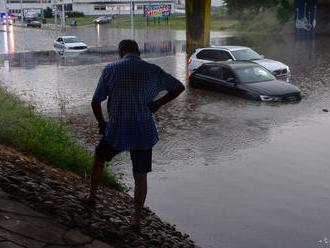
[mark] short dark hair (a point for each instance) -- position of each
(128, 46)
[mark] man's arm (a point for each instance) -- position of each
(155, 105)
(101, 94)
(97, 110)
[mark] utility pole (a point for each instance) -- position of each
(63, 16)
(6, 12)
(55, 14)
(22, 15)
(131, 14)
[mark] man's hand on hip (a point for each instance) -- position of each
(154, 106)
(102, 126)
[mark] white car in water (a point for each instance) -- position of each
(237, 53)
(69, 44)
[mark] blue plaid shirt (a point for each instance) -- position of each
(130, 84)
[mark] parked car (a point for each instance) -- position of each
(7, 20)
(34, 24)
(103, 19)
(71, 44)
(238, 53)
(30, 19)
(245, 79)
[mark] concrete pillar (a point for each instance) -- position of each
(198, 21)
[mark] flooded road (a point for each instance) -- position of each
(231, 172)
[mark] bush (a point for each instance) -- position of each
(48, 13)
(285, 10)
(23, 129)
(75, 14)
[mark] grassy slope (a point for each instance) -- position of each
(23, 129)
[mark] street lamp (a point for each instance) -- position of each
(22, 17)
(63, 16)
(55, 14)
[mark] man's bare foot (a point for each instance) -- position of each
(135, 220)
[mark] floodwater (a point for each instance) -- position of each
(231, 172)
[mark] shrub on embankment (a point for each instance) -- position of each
(27, 131)
(260, 16)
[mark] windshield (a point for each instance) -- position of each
(254, 75)
(71, 40)
(246, 54)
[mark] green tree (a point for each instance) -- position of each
(255, 6)
(48, 13)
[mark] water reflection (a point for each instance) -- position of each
(98, 35)
(8, 39)
(94, 55)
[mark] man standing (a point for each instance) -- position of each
(130, 85)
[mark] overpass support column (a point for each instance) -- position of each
(198, 21)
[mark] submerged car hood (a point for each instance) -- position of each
(75, 44)
(271, 88)
(271, 65)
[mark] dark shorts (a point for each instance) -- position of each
(141, 159)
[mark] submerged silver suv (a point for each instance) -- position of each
(226, 53)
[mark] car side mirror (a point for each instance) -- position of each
(232, 81)
(82, 41)
(262, 56)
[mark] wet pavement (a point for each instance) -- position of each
(229, 171)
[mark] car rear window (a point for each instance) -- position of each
(213, 55)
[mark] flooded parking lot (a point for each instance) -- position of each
(231, 172)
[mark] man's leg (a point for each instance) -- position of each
(97, 169)
(142, 160)
(140, 194)
(103, 152)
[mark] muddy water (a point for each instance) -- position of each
(231, 172)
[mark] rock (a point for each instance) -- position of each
(98, 244)
(4, 181)
(76, 237)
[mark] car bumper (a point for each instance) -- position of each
(70, 51)
(292, 97)
(74, 51)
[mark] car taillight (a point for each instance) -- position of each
(189, 61)
(189, 76)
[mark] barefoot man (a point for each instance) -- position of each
(130, 87)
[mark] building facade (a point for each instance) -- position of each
(118, 7)
(16, 6)
(88, 7)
